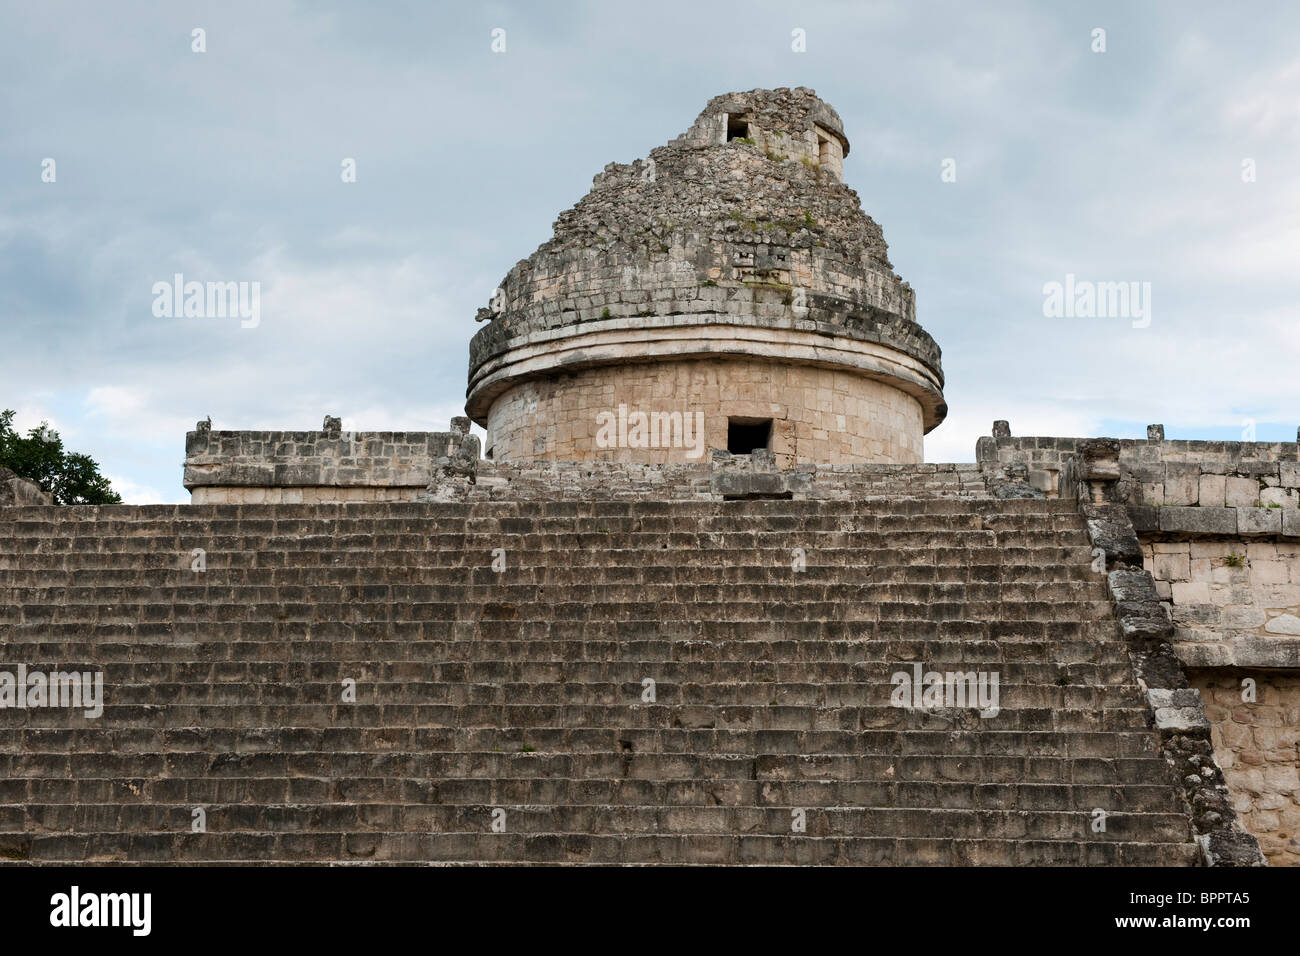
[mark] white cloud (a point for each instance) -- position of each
(1268, 102)
(133, 494)
(954, 440)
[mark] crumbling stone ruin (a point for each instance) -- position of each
(16, 490)
(589, 644)
(730, 275)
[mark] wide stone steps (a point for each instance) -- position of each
(609, 551)
(506, 609)
(818, 683)
(832, 534)
(308, 791)
(522, 691)
(579, 818)
(929, 736)
(813, 697)
(597, 515)
(115, 643)
(815, 587)
(333, 584)
(943, 655)
(570, 849)
(733, 721)
(779, 729)
(467, 759)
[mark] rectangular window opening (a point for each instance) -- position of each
(746, 434)
(823, 150)
(737, 127)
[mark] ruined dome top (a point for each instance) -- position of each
(742, 221)
(793, 112)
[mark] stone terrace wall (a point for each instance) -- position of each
(724, 476)
(1234, 601)
(1233, 485)
(1219, 524)
(1257, 746)
(255, 467)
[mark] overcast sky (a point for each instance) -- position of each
(1119, 166)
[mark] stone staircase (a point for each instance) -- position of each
(519, 696)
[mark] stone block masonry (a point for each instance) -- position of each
(723, 476)
(1234, 601)
(331, 465)
(817, 415)
(1233, 484)
(1257, 743)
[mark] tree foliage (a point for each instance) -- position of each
(72, 478)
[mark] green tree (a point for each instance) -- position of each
(73, 479)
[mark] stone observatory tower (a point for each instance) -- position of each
(726, 293)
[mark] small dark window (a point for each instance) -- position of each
(737, 128)
(746, 434)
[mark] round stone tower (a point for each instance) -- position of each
(728, 292)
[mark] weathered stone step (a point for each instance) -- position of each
(534, 606)
(846, 530)
(812, 696)
(498, 763)
(590, 727)
(376, 518)
(228, 819)
(957, 652)
(421, 512)
(816, 696)
(191, 620)
(696, 849)
(810, 587)
(306, 791)
(436, 728)
(484, 681)
(638, 735)
(663, 553)
(217, 584)
(452, 550)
